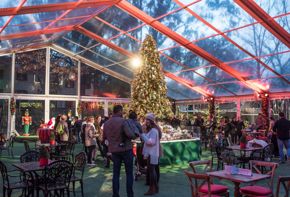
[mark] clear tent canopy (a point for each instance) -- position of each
(207, 47)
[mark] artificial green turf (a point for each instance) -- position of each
(97, 180)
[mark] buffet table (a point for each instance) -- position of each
(179, 151)
(31, 138)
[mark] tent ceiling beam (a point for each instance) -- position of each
(266, 20)
(91, 63)
(137, 13)
(36, 33)
(55, 7)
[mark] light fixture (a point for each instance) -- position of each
(136, 62)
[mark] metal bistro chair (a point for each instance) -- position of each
(56, 178)
(29, 156)
(9, 186)
(78, 172)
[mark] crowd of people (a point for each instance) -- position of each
(112, 137)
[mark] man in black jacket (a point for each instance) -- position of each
(282, 128)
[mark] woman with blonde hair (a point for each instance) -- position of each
(151, 152)
(90, 139)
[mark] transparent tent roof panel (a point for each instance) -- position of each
(100, 28)
(155, 8)
(188, 26)
(274, 7)
(41, 2)
(223, 15)
(116, 17)
(257, 40)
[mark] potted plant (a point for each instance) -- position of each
(43, 156)
(52, 138)
(243, 140)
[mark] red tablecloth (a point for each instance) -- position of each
(44, 134)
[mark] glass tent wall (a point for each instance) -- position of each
(47, 83)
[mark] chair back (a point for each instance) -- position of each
(26, 146)
(29, 156)
(267, 153)
(264, 167)
(80, 162)
(4, 173)
(201, 166)
(193, 179)
(58, 173)
(285, 182)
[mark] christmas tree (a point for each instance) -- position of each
(148, 86)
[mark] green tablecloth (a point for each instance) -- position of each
(179, 151)
(31, 138)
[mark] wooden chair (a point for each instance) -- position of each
(261, 167)
(78, 173)
(200, 182)
(10, 186)
(56, 179)
(285, 182)
(29, 156)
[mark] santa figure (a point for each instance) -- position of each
(51, 123)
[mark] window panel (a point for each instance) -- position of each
(222, 49)
(84, 12)
(92, 109)
(97, 83)
(24, 28)
(162, 41)
(30, 72)
(284, 22)
(3, 20)
(36, 111)
(215, 74)
(5, 74)
(123, 71)
(181, 89)
(257, 40)
(109, 54)
(274, 7)
(236, 88)
(169, 65)
(223, 15)
(9, 3)
(188, 26)
(63, 74)
(4, 115)
(186, 57)
(127, 43)
(100, 28)
(41, 2)
(80, 39)
(251, 69)
(35, 17)
(155, 8)
(62, 107)
(96, 58)
(117, 17)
